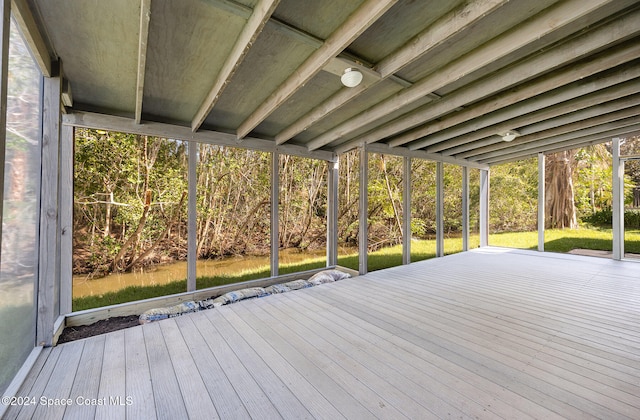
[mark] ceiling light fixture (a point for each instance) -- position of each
(509, 135)
(351, 77)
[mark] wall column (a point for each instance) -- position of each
(618, 201)
(484, 207)
(363, 231)
(406, 211)
(49, 257)
(465, 208)
(332, 212)
(275, 221)
(439, 209)
(541, 200)
(192, 226)
(66, 218)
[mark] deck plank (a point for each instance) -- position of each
(194, 391)
(274, 388)
(318, 405)
(409, 395)
(360, 383)
(427, 373)
(60, 383)
(253, 397)
(522, 357)
(225, 399)
(85, 388)
(112, 378)
(138, 387)
(166, 390)
(327, 385)
(490, 333)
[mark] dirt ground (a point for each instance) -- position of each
(100, 327)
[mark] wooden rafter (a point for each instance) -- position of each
(564, 142)
(529, 69)
(551, 19)
(547, 120)
(145, 17)
(443, 29)
(351, 28)
(595, 123)
(530, 98)
(250, 32)
(33, 36)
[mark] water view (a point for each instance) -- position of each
(167, 273)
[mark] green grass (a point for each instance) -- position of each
(555, 241)
(564, 240)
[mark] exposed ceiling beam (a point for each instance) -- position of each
(145, 18)
(604, 130)
(171, 131)
(542, 121)
(575, 127)
(545, 91)
(577, 145)
(403, 151)
(572, 145)
(33, 37)
(351, 28)
(436, 34)
(600, 102)
(232, 7)
(536, 66)
(535, 140)
(551, 19)
(261, 14)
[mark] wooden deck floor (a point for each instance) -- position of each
(485, 334)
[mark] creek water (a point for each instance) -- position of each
(166, 273)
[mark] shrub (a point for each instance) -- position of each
(604, 217)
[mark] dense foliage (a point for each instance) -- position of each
(131, 195)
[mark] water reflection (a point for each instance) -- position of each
(162, 274)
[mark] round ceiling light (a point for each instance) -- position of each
(510, 135)
(351, 77)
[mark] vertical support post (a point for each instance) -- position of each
(406, 211)
(363, 231)
(541, 200)
(275, 220)
(484, 207)
(5, 26)
(332, 212)
(66, 218)
(618, 201)
(439, 209)
(49, 257)
(192, 212)
(465, 208)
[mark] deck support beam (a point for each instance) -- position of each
(465, 208)
(484, 207)
(48, 289)
(618, 200)
(332, 213)
(439, 209)
(541, 200)
(275, 217)
(406, 211)
(66, 218)
(192, 241)
(363, 231)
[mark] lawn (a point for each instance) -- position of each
(556, 240)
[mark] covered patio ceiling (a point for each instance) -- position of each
(442, 78)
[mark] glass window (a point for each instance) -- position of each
(19, 262)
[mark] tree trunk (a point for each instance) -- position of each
(559, 203)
